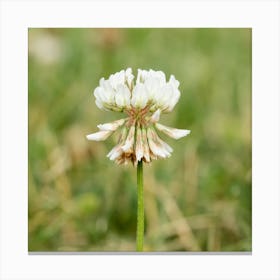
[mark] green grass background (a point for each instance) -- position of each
(197, 200)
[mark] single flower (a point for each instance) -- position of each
(142, 102)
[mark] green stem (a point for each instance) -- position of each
(140, 207)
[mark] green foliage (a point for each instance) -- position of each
(199, 199)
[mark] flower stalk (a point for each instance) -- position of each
(140, 208)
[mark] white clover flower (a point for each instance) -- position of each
(143, 102)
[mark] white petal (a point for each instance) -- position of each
(128, 145)
(112, 151)
(99, 94)
(165, 95)
(99, 104)
(155, 117)
(101, 82)
(165, 145)
(139, 145)
(99, 136)
(141, 76)
(122, 96)
(153, 86)
(117, 79)
(128, 71)
(108, 91)
(162, 97)
(139, 96)
(167, 149)
(175, 83)
(156, 147)
(172, 132)
(129, 76)
(111, 126)
(115, 152)
(104, 98)
(123, 135)
(158, 75)
(146, 149)
(173, 101)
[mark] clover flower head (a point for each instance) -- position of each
(142, 101)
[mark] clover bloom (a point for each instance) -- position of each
(142, 100)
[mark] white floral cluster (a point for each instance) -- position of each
(119, 93)
(143, 103)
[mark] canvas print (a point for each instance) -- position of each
(139, 140)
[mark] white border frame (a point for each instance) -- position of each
(17, 16)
